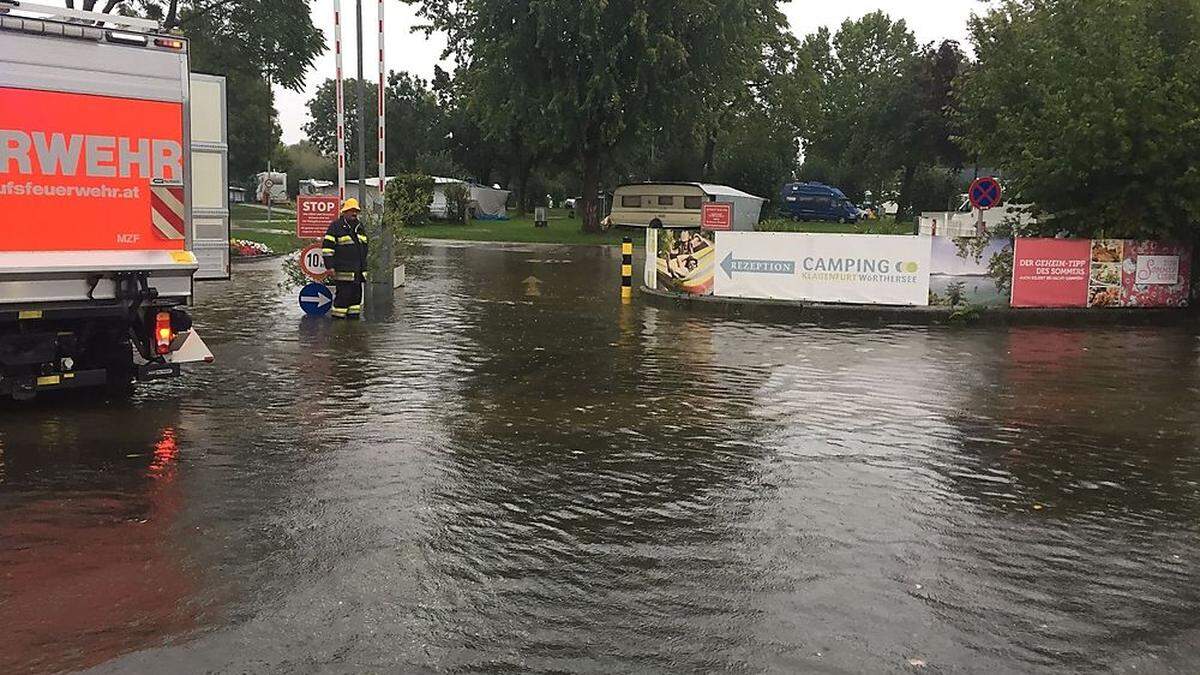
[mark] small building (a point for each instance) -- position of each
(237, 195)
(678, 205)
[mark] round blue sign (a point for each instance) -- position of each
(316, 299)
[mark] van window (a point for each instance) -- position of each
(693, 202)
(666, 201)
(631, 202)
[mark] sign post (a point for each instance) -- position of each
(716, 216)
(984, 194)
(313, 215)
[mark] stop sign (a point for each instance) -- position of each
(313, 215)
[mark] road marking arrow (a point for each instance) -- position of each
(731, 265)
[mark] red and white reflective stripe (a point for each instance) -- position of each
(166, 211)
(341, 99)
(382, 107)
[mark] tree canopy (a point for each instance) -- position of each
(1091, 106)
(416, 125)
(253, 43)
(586, 78)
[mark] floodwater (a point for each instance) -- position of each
(514, 471)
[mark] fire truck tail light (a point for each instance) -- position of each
(162, 333)
(169, 43)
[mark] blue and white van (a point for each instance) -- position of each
(817, 201)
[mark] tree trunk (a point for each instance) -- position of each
(591, 187)
(904, 199)
(710, 153)
(523, 172)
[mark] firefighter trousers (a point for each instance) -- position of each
(347, 302)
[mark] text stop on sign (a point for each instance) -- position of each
(313, 215)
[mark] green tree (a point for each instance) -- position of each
(1090, 108)
(922, 114)
(849, 79)
(321, 129)
(416, 128)
(585, 78)
(406, 200)
(253, 43)
(303, 160)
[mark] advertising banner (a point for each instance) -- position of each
(948, 259)
(86, 164)
(1100, 273)
(685, 261)
(313, 215)
(1050, 273)
(846, 268)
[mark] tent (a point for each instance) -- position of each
(487, 203)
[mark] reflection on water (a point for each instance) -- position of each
(490, 479)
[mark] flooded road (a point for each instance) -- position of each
(509, 475)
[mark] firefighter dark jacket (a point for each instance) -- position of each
(345, 247)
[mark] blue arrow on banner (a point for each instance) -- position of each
(731, 265)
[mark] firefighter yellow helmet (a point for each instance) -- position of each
(350, 205)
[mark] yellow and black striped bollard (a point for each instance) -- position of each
(626, 269)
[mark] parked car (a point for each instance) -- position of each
(816, 201)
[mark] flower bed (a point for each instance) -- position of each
(243, 248)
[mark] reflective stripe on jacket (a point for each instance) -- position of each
(345, 247)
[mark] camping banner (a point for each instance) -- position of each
(849, 268)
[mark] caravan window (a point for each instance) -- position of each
(631, 202)
(693, 202)
(666, 201)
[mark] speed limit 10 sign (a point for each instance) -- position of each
(312, 263)
(313, 215)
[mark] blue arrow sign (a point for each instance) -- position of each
(731, 265)
(316, 299)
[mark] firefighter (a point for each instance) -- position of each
(345, 252)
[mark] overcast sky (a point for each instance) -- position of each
(931, 20)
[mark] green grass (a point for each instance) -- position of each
(561, 230)
(261, 231)
(244, 212)
(881, 226)
(279, 243)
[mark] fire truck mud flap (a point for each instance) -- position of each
(188, 348)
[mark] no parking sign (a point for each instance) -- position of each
(985, 193)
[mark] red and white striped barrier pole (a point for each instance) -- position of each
(341, 100)
(380, 95)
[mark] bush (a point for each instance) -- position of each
(458, 200)
(406, 200)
